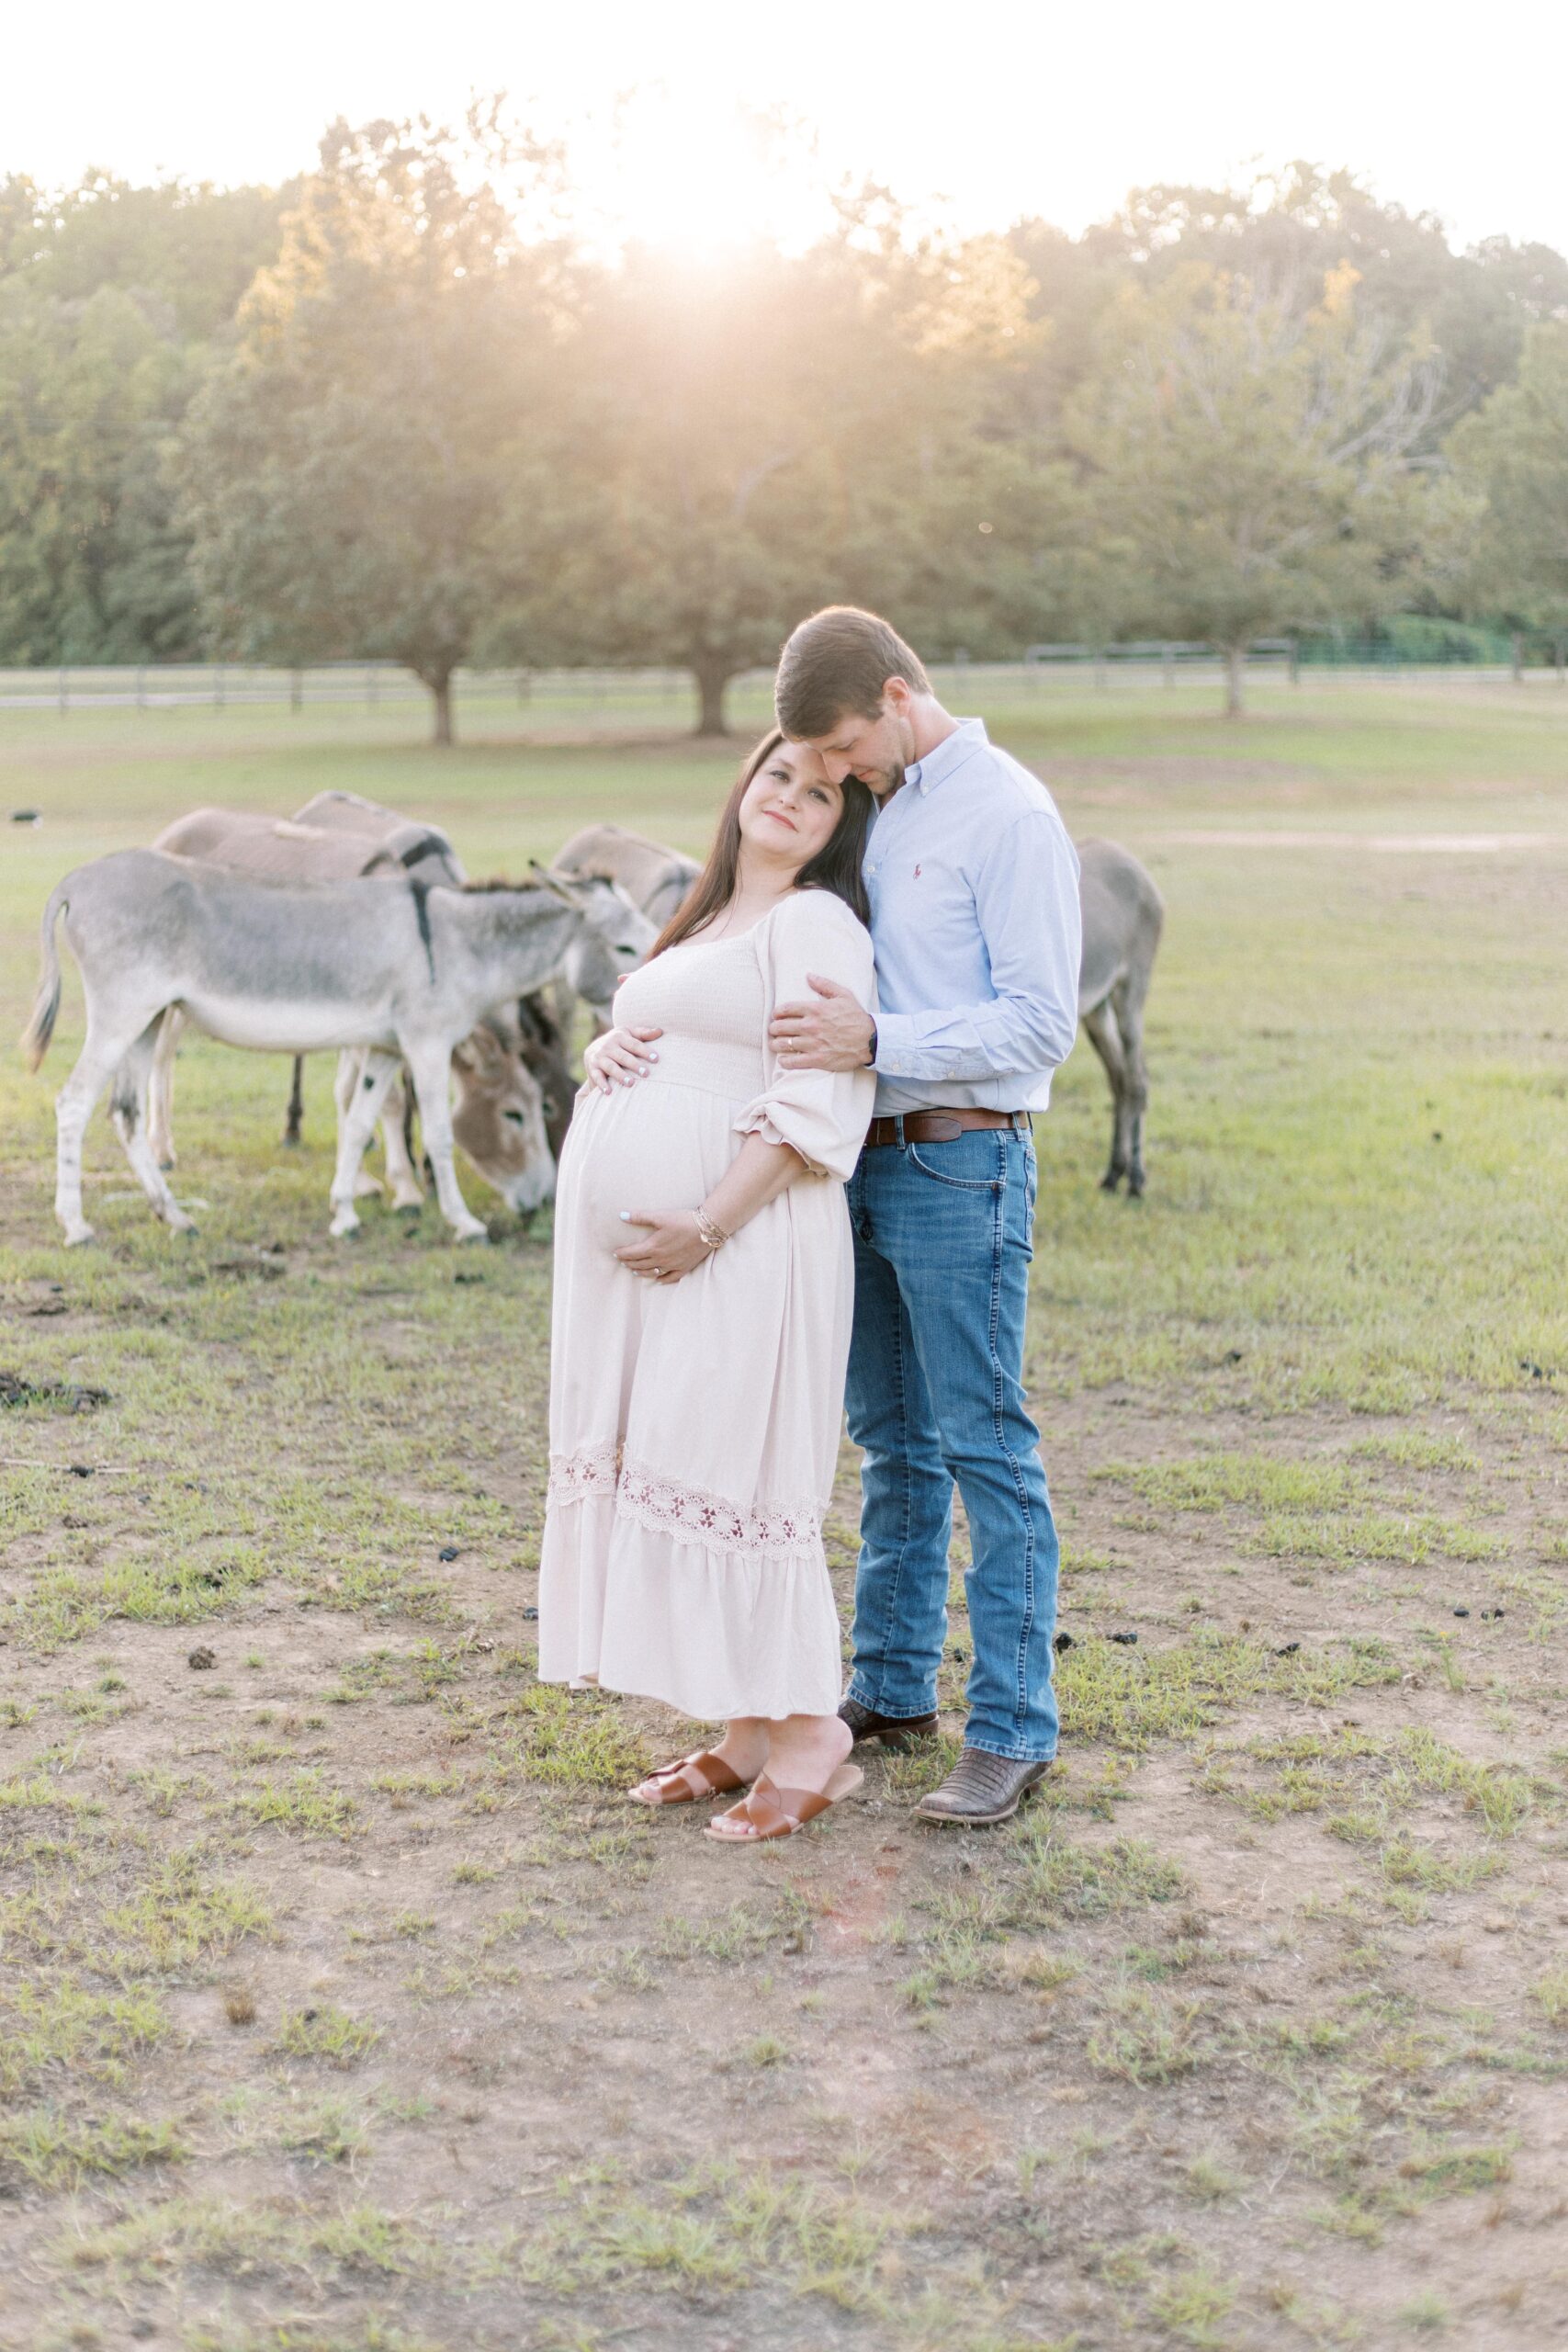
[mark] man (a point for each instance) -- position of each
(975, 924)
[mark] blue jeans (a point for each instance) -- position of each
(943, 1236)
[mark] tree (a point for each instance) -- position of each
(1247, 462)
(107, 296)
(686, 436)
(1293, 229)
(187, 253)
(1286, 233)
(342, 467)
(743, 444)
(92, 567)
(1512, 456)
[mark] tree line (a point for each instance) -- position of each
(394, 409)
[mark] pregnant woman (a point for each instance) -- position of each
(703, 1287)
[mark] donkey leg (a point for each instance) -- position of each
(346, 1086)
(408, 1192)
(1135, 1092)
(160, 1095)
(430, 1066)
(1105, 1037)
(101, 1056)
(128, 1110)
(296, 1103)
(357, 1124)
(565, 1014)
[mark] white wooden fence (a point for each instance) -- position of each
(551, 700)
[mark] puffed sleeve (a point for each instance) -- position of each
(822, 1114)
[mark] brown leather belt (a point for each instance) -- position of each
(940, 1126)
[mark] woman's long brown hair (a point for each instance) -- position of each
(836, 867)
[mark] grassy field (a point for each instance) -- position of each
(345, 2005)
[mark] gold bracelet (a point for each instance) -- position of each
(711, 1232)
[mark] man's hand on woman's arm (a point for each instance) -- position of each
(838, 1033)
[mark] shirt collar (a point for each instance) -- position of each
(950, 754)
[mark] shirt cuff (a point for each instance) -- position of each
(897, 1048)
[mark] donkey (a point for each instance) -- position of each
(541, 1048)
(1123, 915)
(498, 1120)
(275, 849)
(411, 843)
(387, 965)
(515, 1096)
(654, 878)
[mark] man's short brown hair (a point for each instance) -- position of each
(836, 662)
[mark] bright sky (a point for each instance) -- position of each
(1001, 110)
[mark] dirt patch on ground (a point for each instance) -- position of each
(350, 1998)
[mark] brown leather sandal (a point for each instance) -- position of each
(769, 1812)
(688, 1780)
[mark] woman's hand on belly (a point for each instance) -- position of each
(620, 1057)
(673, 1244)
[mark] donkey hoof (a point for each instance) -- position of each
(1110, 1180)
(345, 1229)
(472, 1231)
(75, 1235)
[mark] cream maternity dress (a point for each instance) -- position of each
(694, 1427)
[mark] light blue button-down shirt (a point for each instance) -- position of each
(975, 917)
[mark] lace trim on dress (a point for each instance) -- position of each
(666, 1507)
(591, 1471)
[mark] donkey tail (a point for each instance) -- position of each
(46, 1003)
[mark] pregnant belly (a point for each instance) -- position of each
(644, 1148)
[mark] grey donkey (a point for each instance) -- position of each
(498, 1117)
(372, 841)
(402, 971)
(653, 878)
(1122, 917)
(530, 1036)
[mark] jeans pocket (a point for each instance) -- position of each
(944, 1168)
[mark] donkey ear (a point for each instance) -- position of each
(559, 885)
(480, 1053)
